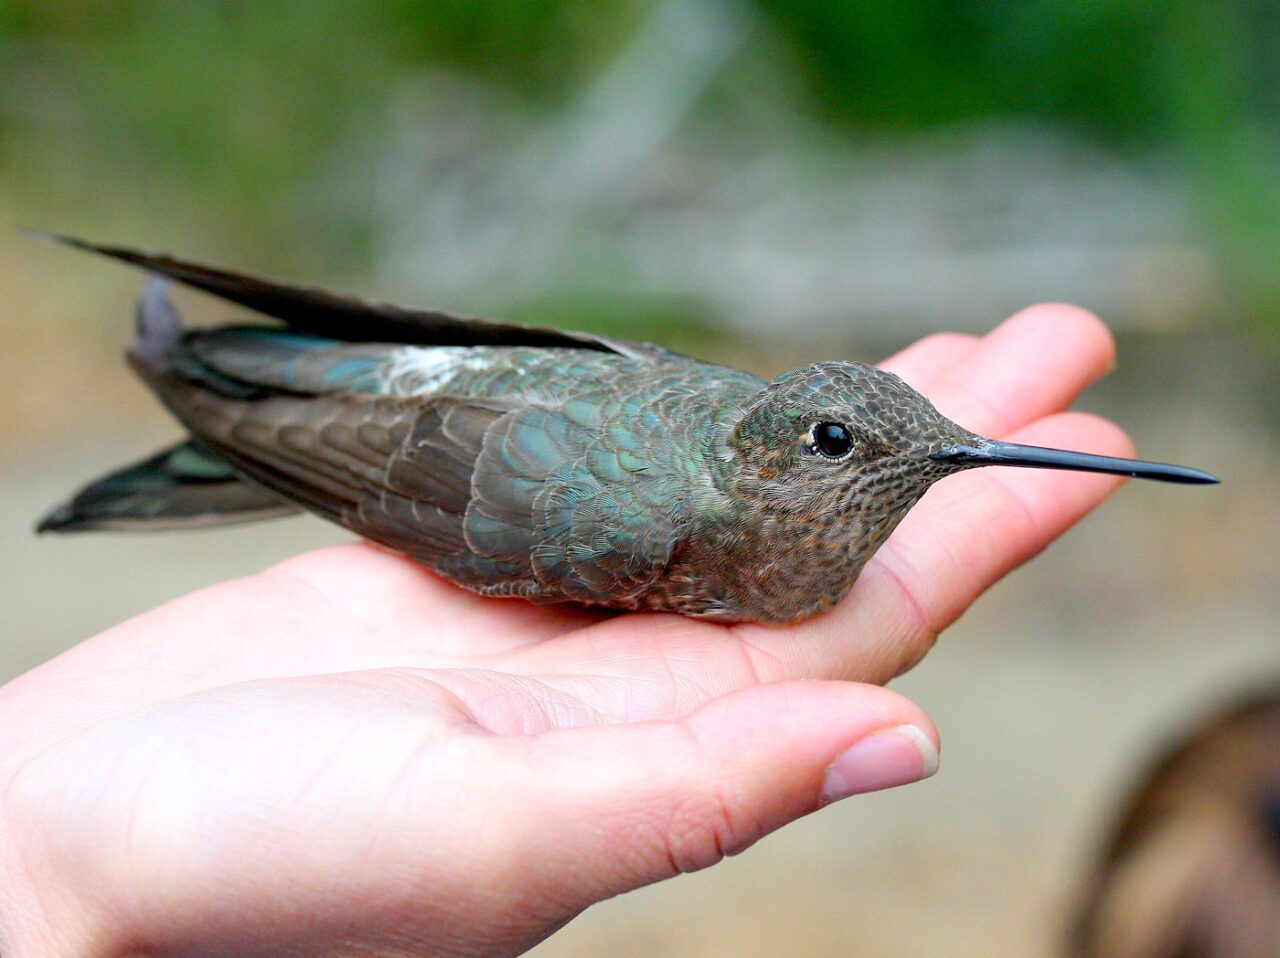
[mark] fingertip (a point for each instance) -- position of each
(847, 737)
(857, 737)
(1033, 364)
(1063, 322)
(883, 759)
(921, 363)
(827, 713)
(1079, 431)
(786, 749)
(948, 343)
(683, 794)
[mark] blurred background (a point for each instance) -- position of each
(768, 184)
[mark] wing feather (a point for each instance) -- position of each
(351, 318)
(521, 487)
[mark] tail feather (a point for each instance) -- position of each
(158, 323)
(182, 487)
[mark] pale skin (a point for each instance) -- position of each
(345, 755)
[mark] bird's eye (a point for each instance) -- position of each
(832, 440)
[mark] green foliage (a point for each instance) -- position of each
(1191, 82)
(231, 112)
(1120, 69)
(201, 106)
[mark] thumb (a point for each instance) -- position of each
(632, 804)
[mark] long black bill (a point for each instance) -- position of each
(992, 453)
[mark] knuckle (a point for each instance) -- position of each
(704, 831)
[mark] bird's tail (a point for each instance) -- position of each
(182, 487)
(158, 324)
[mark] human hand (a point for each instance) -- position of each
(346, 755)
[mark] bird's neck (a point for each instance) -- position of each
(782, 558)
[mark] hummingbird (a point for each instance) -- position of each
(531, 462)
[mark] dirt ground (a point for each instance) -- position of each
(1050, 694)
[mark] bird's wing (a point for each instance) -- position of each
(504, 495)
(528, 491)
(351, 318)
(568, 493)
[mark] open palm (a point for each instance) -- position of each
(346, 755)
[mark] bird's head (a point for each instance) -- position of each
(839, 438)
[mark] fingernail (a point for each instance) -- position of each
(892, 756)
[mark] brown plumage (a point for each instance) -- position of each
(1193, 868)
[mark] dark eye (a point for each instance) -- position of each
(832, 440)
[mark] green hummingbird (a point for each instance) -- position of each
(531, 462)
